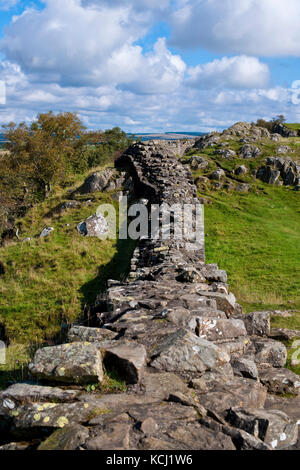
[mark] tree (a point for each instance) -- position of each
(43, 152)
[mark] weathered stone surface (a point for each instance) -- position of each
(96, 182)
(68, 363)
(85, 334)
(273, 427)
(245, 367)
(128, 359)
(199, 438)
(270, 352)
(226, 393)
(214, 329)
(280, 381)
(159, 385)
(40, 419)
(21, 393)
(68, 438)
(226, 303)
(93, 226)
(112, 436)
(184, 352)
(257, 323)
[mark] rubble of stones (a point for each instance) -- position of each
(200, 374)
(278, 170)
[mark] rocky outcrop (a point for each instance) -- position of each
(276, 170)
(198, 372)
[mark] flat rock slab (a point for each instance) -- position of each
(128, 360)
(28, 393)
(214, 329)
(273, 427)
(280, 381)
(77, 363)
(224, 394)
(159, 385)
(38, 419)
(91, 335)
(185, 352)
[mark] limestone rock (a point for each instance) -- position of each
(96, 182)
(69, 363)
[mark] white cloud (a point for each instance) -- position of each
(253, 27)
(233, 72)
(7, 4)
(90, 46)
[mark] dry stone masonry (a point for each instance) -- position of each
(200, 375)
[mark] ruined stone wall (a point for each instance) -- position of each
(161, 179)
(199, 374)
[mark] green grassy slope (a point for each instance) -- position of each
(256, 238)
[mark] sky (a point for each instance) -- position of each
(150, 65)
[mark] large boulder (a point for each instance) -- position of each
(96, 182)
(77, 363)
(94, 226)
(40, 419)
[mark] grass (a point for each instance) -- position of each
(48, 281)
(256, 238)
(295, 126)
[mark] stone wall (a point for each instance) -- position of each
(199, 374)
